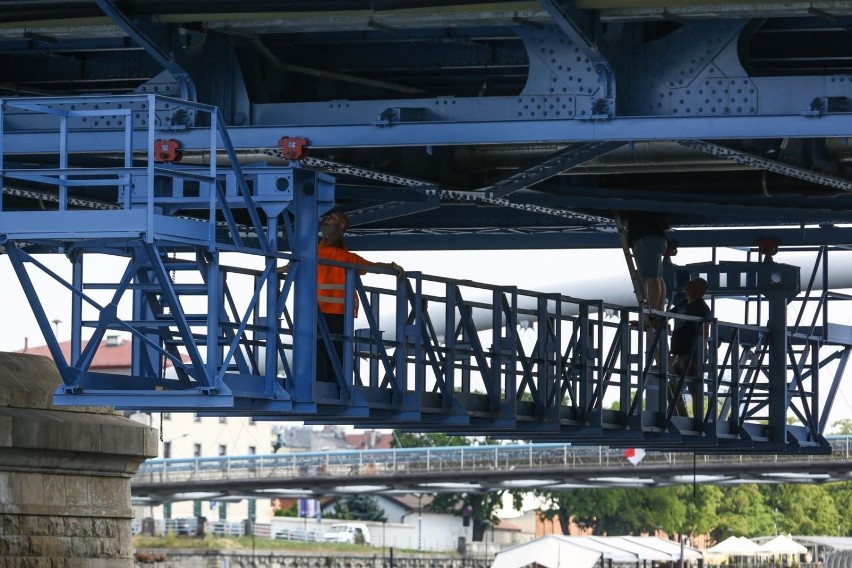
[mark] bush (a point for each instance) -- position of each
(149, 557)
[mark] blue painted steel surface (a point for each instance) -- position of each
(499, 131)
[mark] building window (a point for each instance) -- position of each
(252, 450)
(223, 450)
(222, 420)
(196, 450)
(167, 450)
(167, 415)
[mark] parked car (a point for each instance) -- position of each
(352, 533)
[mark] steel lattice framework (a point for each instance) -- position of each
(436, 125)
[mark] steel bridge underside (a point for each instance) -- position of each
(198, 148)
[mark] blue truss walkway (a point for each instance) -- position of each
(429, 354)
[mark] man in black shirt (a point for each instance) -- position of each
(688, 341)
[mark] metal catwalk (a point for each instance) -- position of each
(197, 143)
(233, 337)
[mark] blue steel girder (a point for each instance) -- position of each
(134, 30)
(684, 82)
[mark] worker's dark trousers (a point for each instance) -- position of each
(325, 370)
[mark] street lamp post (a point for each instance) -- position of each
(167, 444)
(776, 521)
(419, 521)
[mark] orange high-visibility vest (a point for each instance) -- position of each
(331, 280)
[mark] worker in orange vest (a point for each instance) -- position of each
(331, 286)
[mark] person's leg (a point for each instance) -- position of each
(676, 395)
(656, 288)
(335, 327)
(325, 369)
(648, 255)
(644, 263)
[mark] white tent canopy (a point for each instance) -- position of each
(734, 546)
(550, 551)
(670, 547)
(641, 551)
(558, 551)
(603, 547)
(782, 545)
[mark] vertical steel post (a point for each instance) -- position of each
(305, 289)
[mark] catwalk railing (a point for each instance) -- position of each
(194, 252)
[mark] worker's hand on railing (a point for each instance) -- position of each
(400, 271)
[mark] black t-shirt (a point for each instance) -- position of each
(685, 333)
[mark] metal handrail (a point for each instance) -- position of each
(532, 457)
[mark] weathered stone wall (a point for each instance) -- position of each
(265, 559)
(64, 474)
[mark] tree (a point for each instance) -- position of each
(842, 427)
(841, 494)
(742, 511)
(645, 510)
(702, 503)
(619, 510)
(426, 440)
(358, 508)
(803, 509)
(482, 507)
(588, 507)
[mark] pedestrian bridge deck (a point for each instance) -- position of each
(471, 468)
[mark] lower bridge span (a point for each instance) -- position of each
(469, 468)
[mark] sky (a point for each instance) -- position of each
(525, 269)
(592, 274)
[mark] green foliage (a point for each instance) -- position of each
(291, 511)
(436, 440)
(358, 508)
(588, 506)
(842, 427)
(702, 508)
(841, 495)
(742, 511)
(426, 440)
(803, 509)
(482, 507)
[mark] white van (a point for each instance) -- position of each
(352, 533)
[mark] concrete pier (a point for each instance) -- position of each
(64, 473)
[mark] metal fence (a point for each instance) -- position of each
(445, 459)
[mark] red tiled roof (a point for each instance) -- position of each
(108, 355)
(367, 440)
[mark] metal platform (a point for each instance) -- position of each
(479, 126)
(434, 353)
